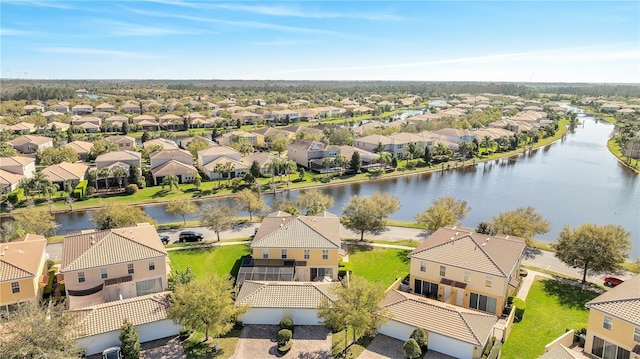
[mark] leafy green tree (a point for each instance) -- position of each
(125, 128)
(342, 162)
(443, 211)
(101, 147)
(145, 137)
(116, 215)
(486, 228)
(135, 177)
(285, 205)
(205, 304)
(197, 182)
(358, 307)
(7, 151)
(40, 332)
(369, 214)
(105, 174)
(255, 169)
(129, 341)
(171, 181)
(218, 217)
(420, 336)
(313, 201)
(178, 277)
(36, 221)
(219, 169)
(119, 173)
(249, 201)
(52, 156)
(394, 162)
(279, 144)
(592, 247)
(428, 156)
(181, 207)
(522, 222)
(197, 144)
(411, 349)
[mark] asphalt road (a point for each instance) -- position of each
(533, 257)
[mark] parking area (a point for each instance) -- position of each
(383, 347)
(259, 341)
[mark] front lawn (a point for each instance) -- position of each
(381, 265)
(552, 307)
(194, 347)
(223, 260)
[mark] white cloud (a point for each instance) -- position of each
(276, 43)
(15, 32)
(114, 28)
(98, 52)
(50, 4)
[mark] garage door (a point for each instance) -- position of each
(157, 330)
(262, 316)
(396, 330)
(452, 347)
(305, 317)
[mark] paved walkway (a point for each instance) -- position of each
(528, 281)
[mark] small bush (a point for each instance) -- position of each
(15, 196)
(521, 306)
(420, 337)
(411, 349)
(90, 191)
(184, 334)
(495, 352)
(284, 336)
(488, 348)
(284, 349)
(286, 323)
(131, 189)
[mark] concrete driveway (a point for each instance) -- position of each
(383, 347)
(259, 341)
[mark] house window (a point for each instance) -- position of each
(130, 268)
(636, 334)
(423, 266)
(325, 254)
(603, 349)
(488, 282)
(425, 288)
(306, 254)
(321, 272)
(265, 254)
(15, 287)
(443, 271)
(103, 273)
(483, 303)
(467, 276)
(81, 277)
(607, 323)
(149, 286)
(283, 254)
(152, 265)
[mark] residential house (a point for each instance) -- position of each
(9, 182)
(272, 132)
(246, 117)
(367, 158)
(269, 302)
(264, 160)
(20, 165)
(307, 247)
(113, 264)
(82, 148)
(255, 139)
(220, 155)
(297, 130)
(227, 102)
(146, 122)
(79, 121)
(492, 132)
(184, 142)
(81, 110)
(119, 158)
(23, 128)
(130, 106)
(23, 271)
(455, 135)
(61, 107)
(29, 109)
(613, 329)
(124, 143)
(51, 114)
(116, 121)
(55, 126)
(99, 325)
(162, 142)
(530, 116)
(171, 122)
(458, 266)
(106, 107)
(452, 330)
(172, 162)
(66, 172)
(373, 143)
(30, 143)
(310, 153)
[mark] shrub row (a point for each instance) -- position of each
(81, 190)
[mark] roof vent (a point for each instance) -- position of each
(484, 244)
(488, 238)
(2, 254)
(457, 233)
(93, 242)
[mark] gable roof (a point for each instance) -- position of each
(21, 258)
(120, 139)
(65, 171)
(165, 143)
(258, 294)
(174, 153)
(7, 178)
(118, 156)
(282, 230)
(108, 317)
(22, 140)
(93, 248)
(16, 160)
(172, 167)
(467, 325)
(622, 302)
(495, 255)
(559, 352)
(80, 146)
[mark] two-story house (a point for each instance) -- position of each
(124, 143)
(172, 162)
(613, 330)
(310, 153)
(307, 245)
(30, 143)
(472, 270)
(123, 159)
(81, 110)
(23, 271)
(209, 159)
(13, 169)
(82, 148)
(114, 264)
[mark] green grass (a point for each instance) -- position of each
(614, 148)
(338, 343)
(222, 261)
(55, 239)
(552, 307)
(380, 265)
(194, 347)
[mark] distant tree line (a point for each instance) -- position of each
(41, 93)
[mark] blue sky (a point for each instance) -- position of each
(572, 41)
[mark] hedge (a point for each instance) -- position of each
(81, 190)
(16, 196)
(521, 306)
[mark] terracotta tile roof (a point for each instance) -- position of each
(108, 317)
(209, 166)
(93, 248)
(65, 171)
(308, 295)
(118, 156)
(218, 150)
(8, 178)
(622, 302)
(38, 140)
(21, 258)
(467, 325)
(495, 255)
(559, 352)
(80, 146)
(172, 167)
(282, 230)
(15, 160)
(120, 139)
(166, 144)
(263, 158)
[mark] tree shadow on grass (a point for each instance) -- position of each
(160, 193)
(403, 255)
(360, 246)
(568, 295)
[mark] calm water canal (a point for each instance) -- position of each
(571, 182)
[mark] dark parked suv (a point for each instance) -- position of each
(190, 236)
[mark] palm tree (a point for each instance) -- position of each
(92, 176)
(385, 158)
(219, 169)
(274, 167)
(49, 189)
(105, 173)
(486, 142)
(341, 161)
(228, 168)
(119, 173)
(328, 162)
(171, 181)
(411, 148)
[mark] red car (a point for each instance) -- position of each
(613, 280)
